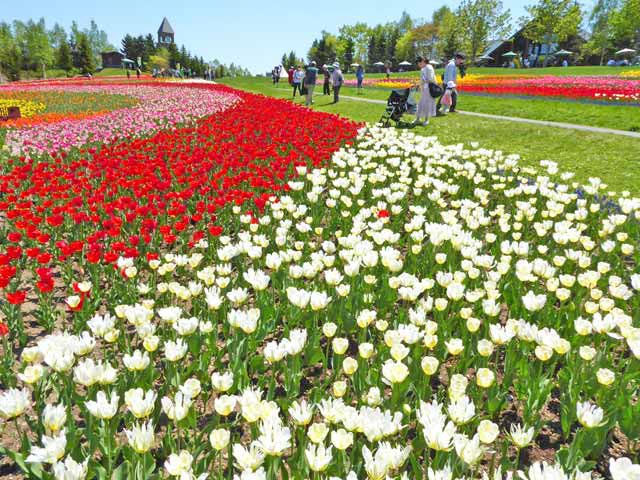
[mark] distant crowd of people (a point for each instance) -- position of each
(303, 80)
(436, 97)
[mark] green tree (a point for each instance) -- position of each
(405, 24)
(552, 21)
(346, 51)
(323, 50)
(64, 59)
(481, 20)
(98, 41)
(11, 60)
(450, 37)
(405, 48)
(57, 36)
(601, 39)
(292, 60)
(85, 55)
(32, 39)
(625, 24)
(360, 34)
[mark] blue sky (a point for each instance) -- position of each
(253, 33)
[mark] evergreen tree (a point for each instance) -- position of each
(127, 46)
(85, 55)
(292, 60)
(64, 59)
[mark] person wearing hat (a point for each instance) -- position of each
(337, 79)
(310, 81)
(451, 75)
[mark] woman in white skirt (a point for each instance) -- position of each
(427, 105)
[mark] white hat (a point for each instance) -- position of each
(451, 84)
(336, 65)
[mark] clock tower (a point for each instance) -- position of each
(166, 35)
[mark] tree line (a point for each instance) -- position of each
(592, 34)
(169, 56)
(31, 46)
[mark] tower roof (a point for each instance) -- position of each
(165, 27)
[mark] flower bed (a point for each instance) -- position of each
(160, 106)
(601, 88)
(132, 197)
(410, 310)
(611, 89)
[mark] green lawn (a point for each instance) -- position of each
(615, 159)
(619, 117)
(109, 72)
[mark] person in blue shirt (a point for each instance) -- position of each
(360, 77)
(451, 75)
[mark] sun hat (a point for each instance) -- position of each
(451, 84)
(336, 65)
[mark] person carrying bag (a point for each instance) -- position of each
(427, 105)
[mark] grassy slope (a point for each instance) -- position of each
(612, 158)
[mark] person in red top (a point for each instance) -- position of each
(290, 73)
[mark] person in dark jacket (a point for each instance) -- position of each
(326, 86)
(310, 82)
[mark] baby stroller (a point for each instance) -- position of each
(400, 101)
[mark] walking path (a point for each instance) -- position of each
(545, 123)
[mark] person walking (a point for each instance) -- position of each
(451, 75)
(298, 76)
(310, 82)
(337, 79)
(427, 105)
(360, 77)
(326, 86)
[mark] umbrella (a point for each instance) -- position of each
(405, 64)
(625, 51)
(485, 57)
(562, 53)
(510, 54)
(355, 64)
(379, 64)
(434, 62)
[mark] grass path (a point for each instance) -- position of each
(613, 158)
